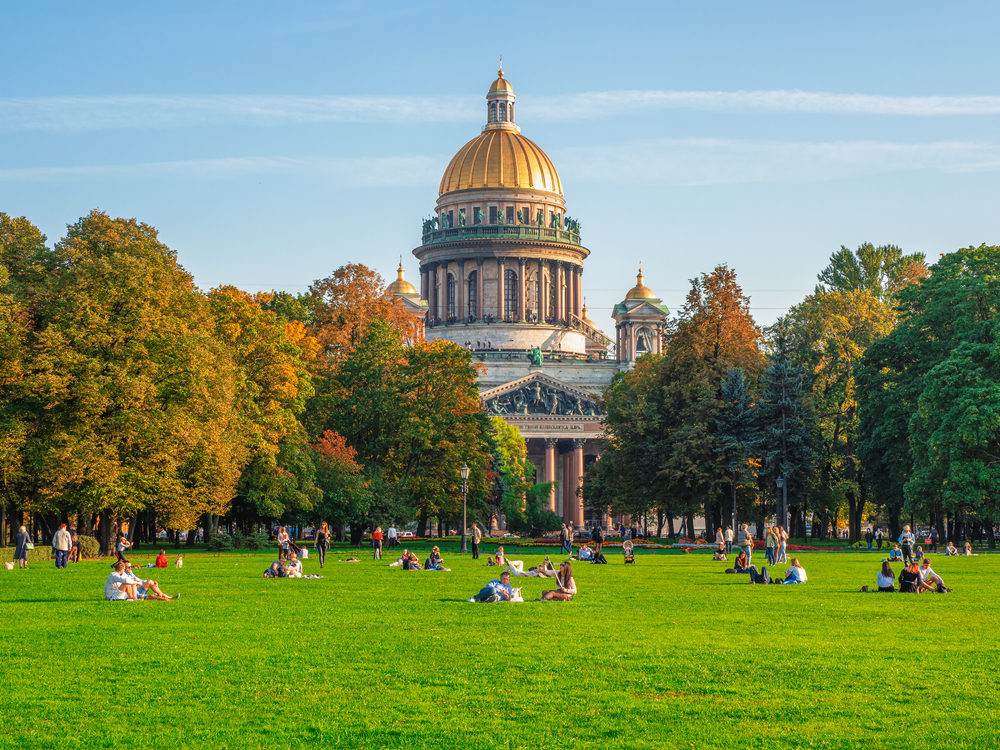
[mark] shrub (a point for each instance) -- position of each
(253, 542)
(221, 543)
(89, 547)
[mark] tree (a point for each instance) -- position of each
(881, 271)
(735, 430)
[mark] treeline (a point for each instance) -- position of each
(874, 400)
(128, 394)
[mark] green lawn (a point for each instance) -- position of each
(669, 653)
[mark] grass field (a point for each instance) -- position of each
(669, 653)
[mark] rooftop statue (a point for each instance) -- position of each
(536, 356)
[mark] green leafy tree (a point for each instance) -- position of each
(735, 431)
(880, 271)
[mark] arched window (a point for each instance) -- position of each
(451, 296)
(510, 295)
(643, 341)
(503, 111)
(472, 296)
(493, 111)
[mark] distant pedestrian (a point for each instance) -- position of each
(879, 536)
(782, 545)
(21, 542)
(906, 540)
(729, 540)
(283, 542)
(746, 542)
(74, 551)
(597, 537)
(62, 542)
(322, 542)
(377, 542)
(477, 537)
(121, 546)
(771, 544)
(566, 546)
(392, 536)
(720, 538)
(869, 538)
(934, 539)
(623, 532)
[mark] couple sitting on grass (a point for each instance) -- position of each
(795, 574)
(291, 569)
(586, 554)
(501, 590)
(409, 561)
(123, 585)
(913, 579)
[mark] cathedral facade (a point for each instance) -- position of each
(501, 273)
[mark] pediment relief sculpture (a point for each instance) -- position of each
(538, 399)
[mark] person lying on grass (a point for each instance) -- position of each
(293, 568)
(146, 589)
(495, 591)
(931, 581)
(276, 570)
(410, 561)
(119, 587)
(896, 555)
(565, 585)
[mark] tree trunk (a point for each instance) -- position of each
(357, 534)
(104, 532)
(659, 523)
(341, 532)
(991, 539)
(85, 523)
(421, 525)
(852, 514)
(689, 520)
(670, 527)
(709, 517)
(3, 525)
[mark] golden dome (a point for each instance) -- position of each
(500, 159)
(640, 290)
(584, 316)
(501, 85)
(400, 285)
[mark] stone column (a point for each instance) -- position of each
(480, 306)
(567, 505)
(460, 292)
(540, 306)
(432, 291)
(618, 343)
(423, 283)
(443, 291)
(560, 310)
(549, 475)
(500, 290)
(570, 290)
(577, 482)
(578, 278)
(522, 287)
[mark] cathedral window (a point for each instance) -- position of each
(473, 295)
(451, 219)
(451, 296)
(493, 111)
(510, 214)
(510, 295)
(493, 214)
(503, 111)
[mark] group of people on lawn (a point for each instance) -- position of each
(409, 561)
(500, 590)
(124, 585)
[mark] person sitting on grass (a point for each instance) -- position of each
(796, 573)
(276, 570)
(410, 561)
(565, 585)
(495, 591)
(720, 554)
(161, 559)
(119, 587)
(886, 579)
(742, 564)
(147, 589)
(585, 553)
(909, 579)
(293, 568)
(950, 550)
(931, 581)
(896, 555)
(918, 555)
(434, 561)
(967, 552)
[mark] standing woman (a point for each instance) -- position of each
(377, 542)
(782, 544)
(746, 541)
(720, 539)
(283, 541)
(21, 542)
(322, 542)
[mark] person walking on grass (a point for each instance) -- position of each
(746, 541)
(121, 546)
(377, 542)
(729, 540)
(878, 539)
(21, 541)
(392, 536)
(477, 537)
(869, 538)
(61, 544)
(782, 545)
(934, 539)
(322, 542)
(565, 546)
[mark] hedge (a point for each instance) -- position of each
(89, 549)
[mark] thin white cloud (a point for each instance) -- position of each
(105, 112)
(680, 162)
(720, 161)
(403, 171)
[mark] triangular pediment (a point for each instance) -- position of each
(539, 395)
(642, 307)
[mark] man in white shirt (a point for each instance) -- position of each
(392, 535)
(929, 580)
(729, 540)
(146, 589)
(119, 587)
(61, 544)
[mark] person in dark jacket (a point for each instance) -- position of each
(909, 579)
(21, 541)
(597, 537)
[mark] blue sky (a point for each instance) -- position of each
(271, 143)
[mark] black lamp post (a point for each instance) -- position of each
(783, 503)
(464, 471)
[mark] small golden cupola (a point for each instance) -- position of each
(640, 290)
(400, 285)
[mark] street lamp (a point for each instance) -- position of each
(783, 505)
(464, 471)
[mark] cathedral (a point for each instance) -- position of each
(501, 273)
